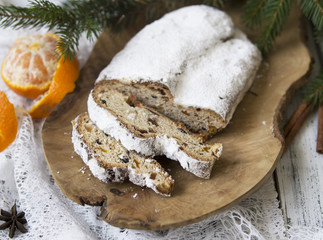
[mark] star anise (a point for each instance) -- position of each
(13, 220)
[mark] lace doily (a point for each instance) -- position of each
(26, 180)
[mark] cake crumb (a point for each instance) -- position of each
(131, 116)
(82, 169)
(135, 195)
(264, 123)
(157, 210)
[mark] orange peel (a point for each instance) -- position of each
(8, 122)
(63, 83)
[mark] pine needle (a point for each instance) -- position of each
(39, 14)
(253, 13)
(314, 91)
(275, 16)
(313, 10)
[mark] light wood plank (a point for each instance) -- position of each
(299, 174)
(300, 179)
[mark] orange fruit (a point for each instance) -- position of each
(8, 122)
(63, 82)
(29, 66)
(32, 68)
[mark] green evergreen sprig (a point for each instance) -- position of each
(269, 16)
(274, 18)
(253, 13)
(313, 10)
(314, 90)
(70, 20)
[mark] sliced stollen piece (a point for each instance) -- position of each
(191, 65)
(148, 132)
(109, 161)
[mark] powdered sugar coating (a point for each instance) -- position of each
(188, 51)
(171, 149)
(225, 83)
(161, 145)
(160, 50)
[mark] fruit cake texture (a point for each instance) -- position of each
(148, 132)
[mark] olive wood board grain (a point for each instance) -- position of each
(252, 142)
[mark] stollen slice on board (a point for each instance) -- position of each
(109, 161)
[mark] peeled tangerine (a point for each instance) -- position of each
(33, 68)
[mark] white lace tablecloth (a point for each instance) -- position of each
(26, 180)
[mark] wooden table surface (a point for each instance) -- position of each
(299, 174)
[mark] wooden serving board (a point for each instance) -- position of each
(252, 143)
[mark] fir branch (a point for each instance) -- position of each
(313, 10)
(314, 91)
(253, 13)
(93, 16)
(275, 16)
(40, 13)
(69, 21)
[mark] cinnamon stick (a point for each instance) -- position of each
(319, 141)
(295, 122)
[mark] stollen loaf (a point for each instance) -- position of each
(192, 65)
